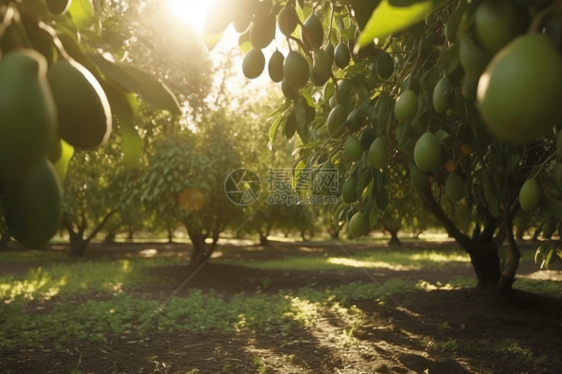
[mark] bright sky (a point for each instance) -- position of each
(193, 12)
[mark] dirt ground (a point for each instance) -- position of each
(402, 337)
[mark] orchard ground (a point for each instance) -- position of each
(290, 307)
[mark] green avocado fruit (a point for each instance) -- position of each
(349, 190)
(342, 55)
(253, 63)
(82, 106)
(406, 106)
(427, 152)
(296, 70)
(368, 137)
(322, 63)
(496, 23)
(28, 126)
(378, 153)
(357, 225)
(336, 120)
(354, 122)
(312, 34)
(353, 148)
(32, 205)
(275, 66)
(287, 20)
(530, 195)
(385, 65)
(291, 125)
(454, 187)
(519, 93)
(262, 32)
(58, 7)
(288, 91)
(443, 95)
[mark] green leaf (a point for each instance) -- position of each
(302, 127)
(61, 166)
(135, 80)
(275, 126)
(387, 20)
(82, 13)
(308, 98)
(131, 146)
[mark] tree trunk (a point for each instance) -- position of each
(334, 233)
(537, 234)
(263, 239)
(4, 240)
(486, 263)
(394, 238)
(198, 241)
(109, 238)
(303, 235)
(130, 235)
(287, 234)
(482, 248)
(77, 244)
(170, 236)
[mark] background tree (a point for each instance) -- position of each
(412, 85)
(185, 180)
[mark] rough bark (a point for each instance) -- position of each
(482, 247)
(78, 243)
(130, 234)
(201, 251)
(394, 238)
(4, 240)
(109, 238)
(263, 239)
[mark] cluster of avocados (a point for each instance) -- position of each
(512, 70)
(45, 98)
(504, 64)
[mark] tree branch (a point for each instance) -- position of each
(430, 203)
(100, 226)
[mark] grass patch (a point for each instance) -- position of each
(539, 286)
(407, 259)
(29, 256)
(500, 347)
(79, 277)
(123, 314)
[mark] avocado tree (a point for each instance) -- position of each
(185, 180)
(91, 196)
(64, 76)
(463, 95)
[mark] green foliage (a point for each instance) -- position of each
(93, 320)
(467, 77)
(100, 87)
(79, 278)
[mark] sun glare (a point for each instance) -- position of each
(193, 12)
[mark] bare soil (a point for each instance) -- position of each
(405, 336)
